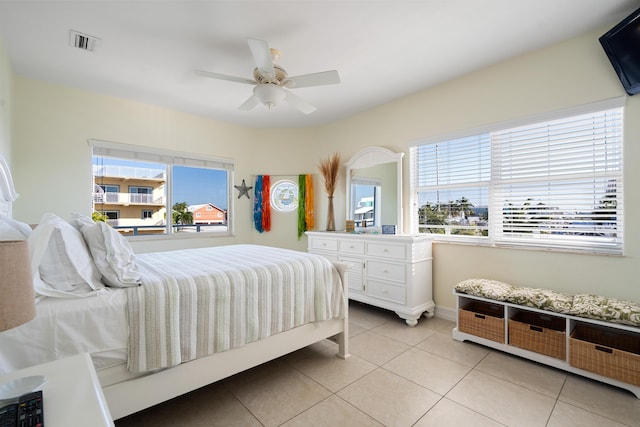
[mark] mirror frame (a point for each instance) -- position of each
(373, 156)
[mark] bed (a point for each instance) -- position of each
(159, 325)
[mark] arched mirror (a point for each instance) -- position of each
(374, 188)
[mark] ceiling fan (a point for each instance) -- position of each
(272, 83)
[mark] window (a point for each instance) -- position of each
(140, 195)
(553, 184)
(167, 192)
(111, 215)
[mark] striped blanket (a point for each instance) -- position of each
(195, 302)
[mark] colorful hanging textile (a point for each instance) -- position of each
(262, 203)
(302, 189)
(257, 204)
(308, 203)
(266, 203)
(306, 219)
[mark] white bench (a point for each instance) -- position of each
(603, 342)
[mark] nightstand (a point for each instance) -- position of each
(72, 394)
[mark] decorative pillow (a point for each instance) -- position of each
(543, 299)
(61, 263)
(607, 309)
(10, 229)
(78, 220)
(111, 253)
(491, 289)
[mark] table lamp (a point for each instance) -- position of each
(17, 297)
(17, 304)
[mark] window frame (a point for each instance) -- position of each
(171, 158)
(495, 225)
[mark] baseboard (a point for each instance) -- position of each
(446, 313)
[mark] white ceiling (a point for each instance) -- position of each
(383, 50)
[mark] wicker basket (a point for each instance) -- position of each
(539, 332)
(606, 351)
(483, 320)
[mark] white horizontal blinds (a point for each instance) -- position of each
(357, 180)
(452, 179)
(453, 163)
(559, 183)
(149, 154)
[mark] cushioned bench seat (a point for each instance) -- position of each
(581, 305)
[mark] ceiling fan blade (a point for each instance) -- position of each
(299, 103)
(249, 104)
(224, 77)
(313, 79)
(262, 56)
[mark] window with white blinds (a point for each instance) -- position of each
(452, 180)
(553, 184)
(144, 191)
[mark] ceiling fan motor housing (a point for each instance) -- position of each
(281, 76)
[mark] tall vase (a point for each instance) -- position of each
(331, 220)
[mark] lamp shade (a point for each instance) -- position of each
(269, 94)
(17, 297)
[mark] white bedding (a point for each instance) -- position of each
(64, 327)
(195, 302)
(98, 324)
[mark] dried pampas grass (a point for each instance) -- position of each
(329, 169)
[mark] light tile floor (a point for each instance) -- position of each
(398, 376)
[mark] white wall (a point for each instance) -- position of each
(571, 73)
(5, 104)
(51, 158)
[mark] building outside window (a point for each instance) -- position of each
(164, 190)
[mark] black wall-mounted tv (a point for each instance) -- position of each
(622, 46)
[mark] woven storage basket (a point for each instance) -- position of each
(483, 320)
(539, 332)
(608, 352)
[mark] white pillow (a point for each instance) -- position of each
(111, 252)
(10, 229)
(61, 263)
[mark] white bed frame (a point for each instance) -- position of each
(8, 193)
(130, 396)
(138, 393)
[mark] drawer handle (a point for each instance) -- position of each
(479, 316)
(535, 328)
(604, 349)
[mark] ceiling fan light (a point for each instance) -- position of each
(270, 95)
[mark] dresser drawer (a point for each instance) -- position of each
(351, 246)
(386, 291)
(331, 256)
(386, 271)
(386, 250)
(323, 244)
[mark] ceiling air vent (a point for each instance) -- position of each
(83, 41)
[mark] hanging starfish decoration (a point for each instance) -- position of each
(243, 190)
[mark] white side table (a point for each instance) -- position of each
(72, 395)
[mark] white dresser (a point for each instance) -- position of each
(387, 271)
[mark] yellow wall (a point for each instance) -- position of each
(571, 73)
(5, 104)
(51, 158)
